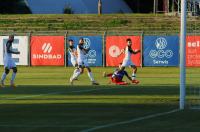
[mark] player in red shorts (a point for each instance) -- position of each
(117, 76)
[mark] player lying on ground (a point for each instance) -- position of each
(117, 76)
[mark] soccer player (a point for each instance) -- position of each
(127, 62)
(117, 76)
(83, 63)
(73, 55)
(9, 63)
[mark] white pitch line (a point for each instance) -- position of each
(130, 121)
(77, 91)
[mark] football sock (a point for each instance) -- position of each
(3, 77)
(133, 76)
(13, 78)
(91, 76)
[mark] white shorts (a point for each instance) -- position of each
(74, 62)
(9, 63)
(83, 63)
(127, 63)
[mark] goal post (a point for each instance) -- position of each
(183, 54)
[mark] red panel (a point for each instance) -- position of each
(114, 44)
(47, 50)
(193, 51)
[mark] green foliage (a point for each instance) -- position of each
(116, 23)
(75, 25)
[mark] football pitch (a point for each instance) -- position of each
(44, 101)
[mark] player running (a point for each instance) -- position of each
(117, 76)
(83, 63)
(9, 63)
(73, 55)
(127, 62)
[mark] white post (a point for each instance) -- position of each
(182, 53)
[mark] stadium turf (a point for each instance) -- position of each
(45, 102)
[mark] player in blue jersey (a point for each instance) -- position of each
(117, 76)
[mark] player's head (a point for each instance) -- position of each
(129, 42)
(11, 38)
(81, 41)
(71, 42)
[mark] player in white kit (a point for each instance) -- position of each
(73, 54)
(127, 62)
(83, 62)
(9, 63)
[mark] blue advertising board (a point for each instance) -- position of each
(95, 43)
(161, 50)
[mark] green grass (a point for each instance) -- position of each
(44, 101)
(59, 23)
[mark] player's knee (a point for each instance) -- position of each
(81, 70)
(89, 70)
(15, 69)
(7, 70)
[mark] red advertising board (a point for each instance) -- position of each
(114, 45)
(193, 51)
(47, 50)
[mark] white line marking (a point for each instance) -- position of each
(130, 121)
(52, 93)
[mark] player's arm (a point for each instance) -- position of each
(133, 51)
(121, 52)
(126, 74)
(83, 49)
(8, 45)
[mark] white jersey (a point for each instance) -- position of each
(81, 53)
(6, 54)
(8, 60)
(71, 52)
(127, 54)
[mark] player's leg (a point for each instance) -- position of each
(90, 75)
(134, 69)
(76, 70)
(107, 75)
(3, 77)
(12, 84)
(122, 83)
(125, 63)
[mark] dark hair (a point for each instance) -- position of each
(70, 40)
(81, 39)
(120, 63)
(128, 39)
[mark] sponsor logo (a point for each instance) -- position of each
(194, 44)
(160, 52)
(87, 43)
(114, 51)
(92, 53)
(47, 49)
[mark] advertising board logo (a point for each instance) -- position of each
(87, 43)
(47, 48)
(47, 53)
(92, 54)
(114, 51)
(160, 52)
